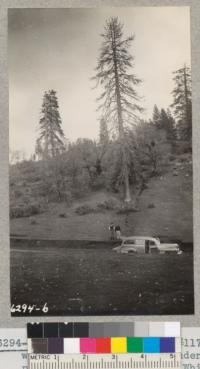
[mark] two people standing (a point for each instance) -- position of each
(115, 231)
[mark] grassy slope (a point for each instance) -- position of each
(171, 215)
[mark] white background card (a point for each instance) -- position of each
(13, 347)
(190, 348)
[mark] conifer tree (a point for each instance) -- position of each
(51, 140)
(163, 119)
(119, 99)
(156, 117)
(171, 131)
(182, 104)
(167, 123)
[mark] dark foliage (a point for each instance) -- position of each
(182, 104)
(51, 140)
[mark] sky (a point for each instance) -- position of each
(58, 49)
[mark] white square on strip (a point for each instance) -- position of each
(30, 347)
(172, 329)
(71, 345)
(156, 329)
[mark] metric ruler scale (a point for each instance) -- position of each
(105, 361)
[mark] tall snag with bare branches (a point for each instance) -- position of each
(119, 99)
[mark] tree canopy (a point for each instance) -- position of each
(119, 101)
(182, 102)
(51, 140)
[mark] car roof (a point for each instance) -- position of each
(139, 238)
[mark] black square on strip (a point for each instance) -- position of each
(81, 329)
(50, 330)
(39, 345)
(66, 330)
(34, 330)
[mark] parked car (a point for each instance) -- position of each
(146, 245)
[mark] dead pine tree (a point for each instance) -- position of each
(119, 101)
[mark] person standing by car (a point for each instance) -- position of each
(118, 232)
(147, 247)
(112, 231)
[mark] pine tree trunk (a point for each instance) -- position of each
(127, 189)
(127, 198)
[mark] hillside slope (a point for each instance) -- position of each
(164, 209)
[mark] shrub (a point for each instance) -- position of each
(172, 157)
(183, 158)
(151, 206)
(84, 209)
(183, 147)
(16, 212)
(25, 210)
(98, 183)
(18, 192)
(34, 209)
(62, 215)
(33, 222)
(106, 205)
(126, 210)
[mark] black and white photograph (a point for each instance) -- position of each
(100, 161)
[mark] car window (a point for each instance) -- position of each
(129, 242)
(140, 242)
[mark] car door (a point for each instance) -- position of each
(129, 246)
